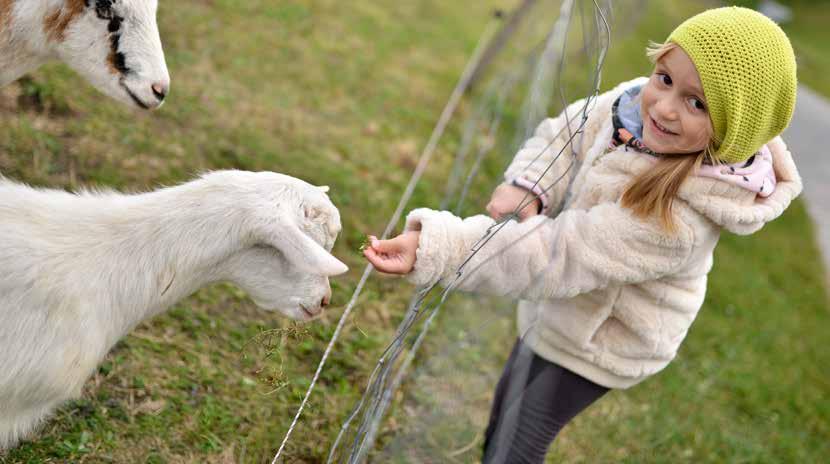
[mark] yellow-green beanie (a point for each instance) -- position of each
(747, 67)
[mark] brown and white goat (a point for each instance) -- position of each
(113, 44)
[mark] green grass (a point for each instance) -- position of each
(345, 94)
(808, 33)
(807, 30)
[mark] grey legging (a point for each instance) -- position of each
(534, 399)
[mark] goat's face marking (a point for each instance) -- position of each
(5, 14)
(115, 45)
(56, 21)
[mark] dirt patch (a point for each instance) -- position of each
(27, 94)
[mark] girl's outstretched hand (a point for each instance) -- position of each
(393, 256)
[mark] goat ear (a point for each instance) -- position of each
(323, 188)
(307, 254)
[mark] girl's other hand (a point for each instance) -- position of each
(393, 256)
(507, 197)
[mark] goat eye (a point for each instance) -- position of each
(103, 8)
(115, 24)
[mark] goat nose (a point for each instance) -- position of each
(160, 90)
(326, 300)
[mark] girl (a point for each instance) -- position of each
(610, 285)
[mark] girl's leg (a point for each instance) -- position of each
(534, 400)
(498, 397)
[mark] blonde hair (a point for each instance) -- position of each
(652, 193)
(656, 50)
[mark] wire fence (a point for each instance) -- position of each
(541, 71)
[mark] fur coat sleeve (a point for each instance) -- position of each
(548, 160)
(576, 252)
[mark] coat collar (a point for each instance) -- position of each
(729, 205)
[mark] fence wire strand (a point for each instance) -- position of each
(378, 394)
(423, 161)
(425, 304)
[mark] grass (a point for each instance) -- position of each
(808, 33)
(345, 94)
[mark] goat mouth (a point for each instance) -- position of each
(133, 96)
(307, 311)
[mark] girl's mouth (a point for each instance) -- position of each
(660, 129)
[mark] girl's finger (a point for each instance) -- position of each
(381, 262)
(372, 256)
(369, 252)
(390, 246)
(381, 246)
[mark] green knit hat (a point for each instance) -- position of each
(747, 68)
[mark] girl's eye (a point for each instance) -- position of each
(664, 79)
(697, 104)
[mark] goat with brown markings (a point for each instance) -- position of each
(113, 44)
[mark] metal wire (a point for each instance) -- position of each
(378, 394)
(423, 161)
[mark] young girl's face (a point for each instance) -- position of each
(675, 118)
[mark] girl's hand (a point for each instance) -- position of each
(394, 256)
(507, 197)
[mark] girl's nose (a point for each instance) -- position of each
(666, 109)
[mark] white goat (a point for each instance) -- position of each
(81, 271)
(114, 44)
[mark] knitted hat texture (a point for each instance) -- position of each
(747, 67)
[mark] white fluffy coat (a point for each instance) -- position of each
(605, 294)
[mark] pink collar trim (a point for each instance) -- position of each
(758, 177)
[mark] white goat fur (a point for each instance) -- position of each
(80, 33)
(82, 270)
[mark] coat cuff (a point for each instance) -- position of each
(433, 255)
(534, 188)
